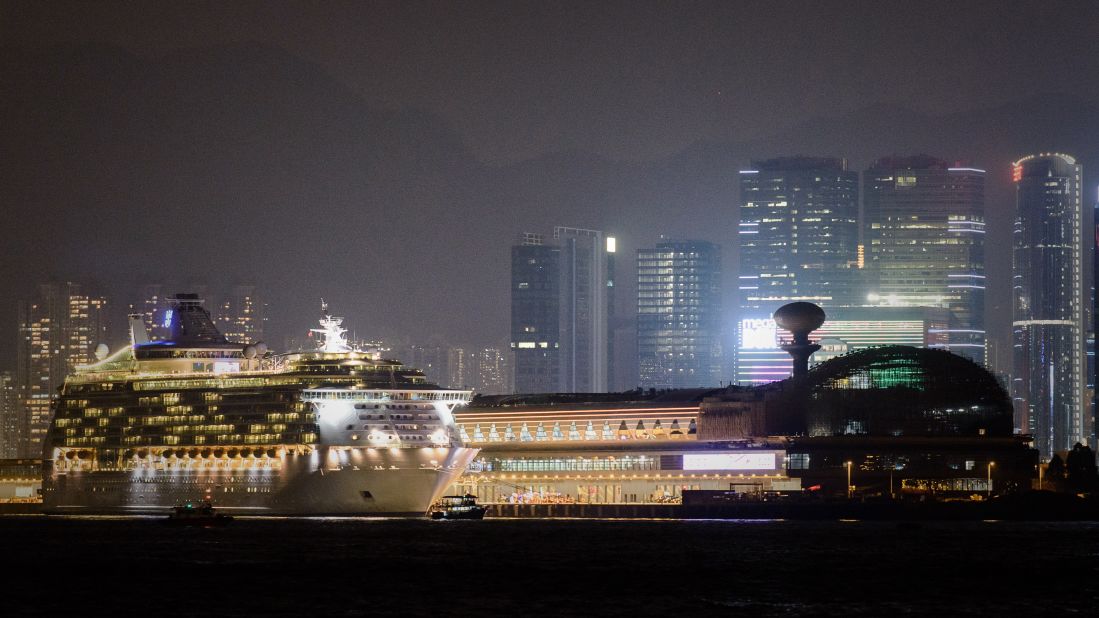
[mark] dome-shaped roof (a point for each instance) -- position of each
(902, 390)
(799, 317)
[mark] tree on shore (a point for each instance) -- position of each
(1081, 473)
(1055, 473)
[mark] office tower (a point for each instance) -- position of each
(458, 368)
(152, 306)
(535, 309)
(798, 232)
(584, 317)
(12, 426)
(433, 360)
(679, 315)
(1049, 302)
(241, 316)
(611, 245)
(925, 230)
(492, 371)
(58, 330)
(1094, 372)
(561, 302)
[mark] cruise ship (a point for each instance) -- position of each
(330, 431)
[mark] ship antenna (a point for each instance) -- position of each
(324, 306)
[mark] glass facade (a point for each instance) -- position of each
(561, 303)
(1049, 302)
(584, 306)
(11, 421)
(241, 316)
(58, 330)
(925, 230)
(799, 241)
(847, 329)
(535, 331)
(798, 232)
(679, 315)
(900, 391)
(503, 474)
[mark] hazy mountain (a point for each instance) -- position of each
(245, 163)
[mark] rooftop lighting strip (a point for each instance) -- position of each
(965, 169)
(959, 345)
(512, 416)
(601, 410)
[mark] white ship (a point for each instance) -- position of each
(332, 431)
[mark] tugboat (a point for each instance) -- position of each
(197, 513)
(457, 507)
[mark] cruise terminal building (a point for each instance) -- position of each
(897, 420)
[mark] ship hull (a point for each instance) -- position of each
(328, 481)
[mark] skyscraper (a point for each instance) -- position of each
(535, 321)
(561, 300)
(493, 371)
(1094, 370)
(798, 238)
(459, 368)
(57, 331)
(679, 315)
(12, 425)
(1049, 302)
(434, 360)
(584, 317)
(151, 307)
(798, 232)
(241, 316)
(925, 230)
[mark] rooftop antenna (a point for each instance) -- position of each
(332, 331)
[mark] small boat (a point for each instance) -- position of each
(457, 507)
(197, 513)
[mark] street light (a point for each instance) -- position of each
(989, 488)
(848, 464)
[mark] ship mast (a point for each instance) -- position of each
(332, 331)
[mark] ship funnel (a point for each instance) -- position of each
(138, 334)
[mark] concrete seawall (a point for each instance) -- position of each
(886, 511)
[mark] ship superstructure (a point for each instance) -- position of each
(333, 430)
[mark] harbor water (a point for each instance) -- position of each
(501, 567)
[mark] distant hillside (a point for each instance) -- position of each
(246, 162)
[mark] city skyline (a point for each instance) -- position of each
(243, 183)
(720, 307)
(638, 194)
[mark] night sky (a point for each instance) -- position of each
(386, 155)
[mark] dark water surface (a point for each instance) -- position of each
(353, 567)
